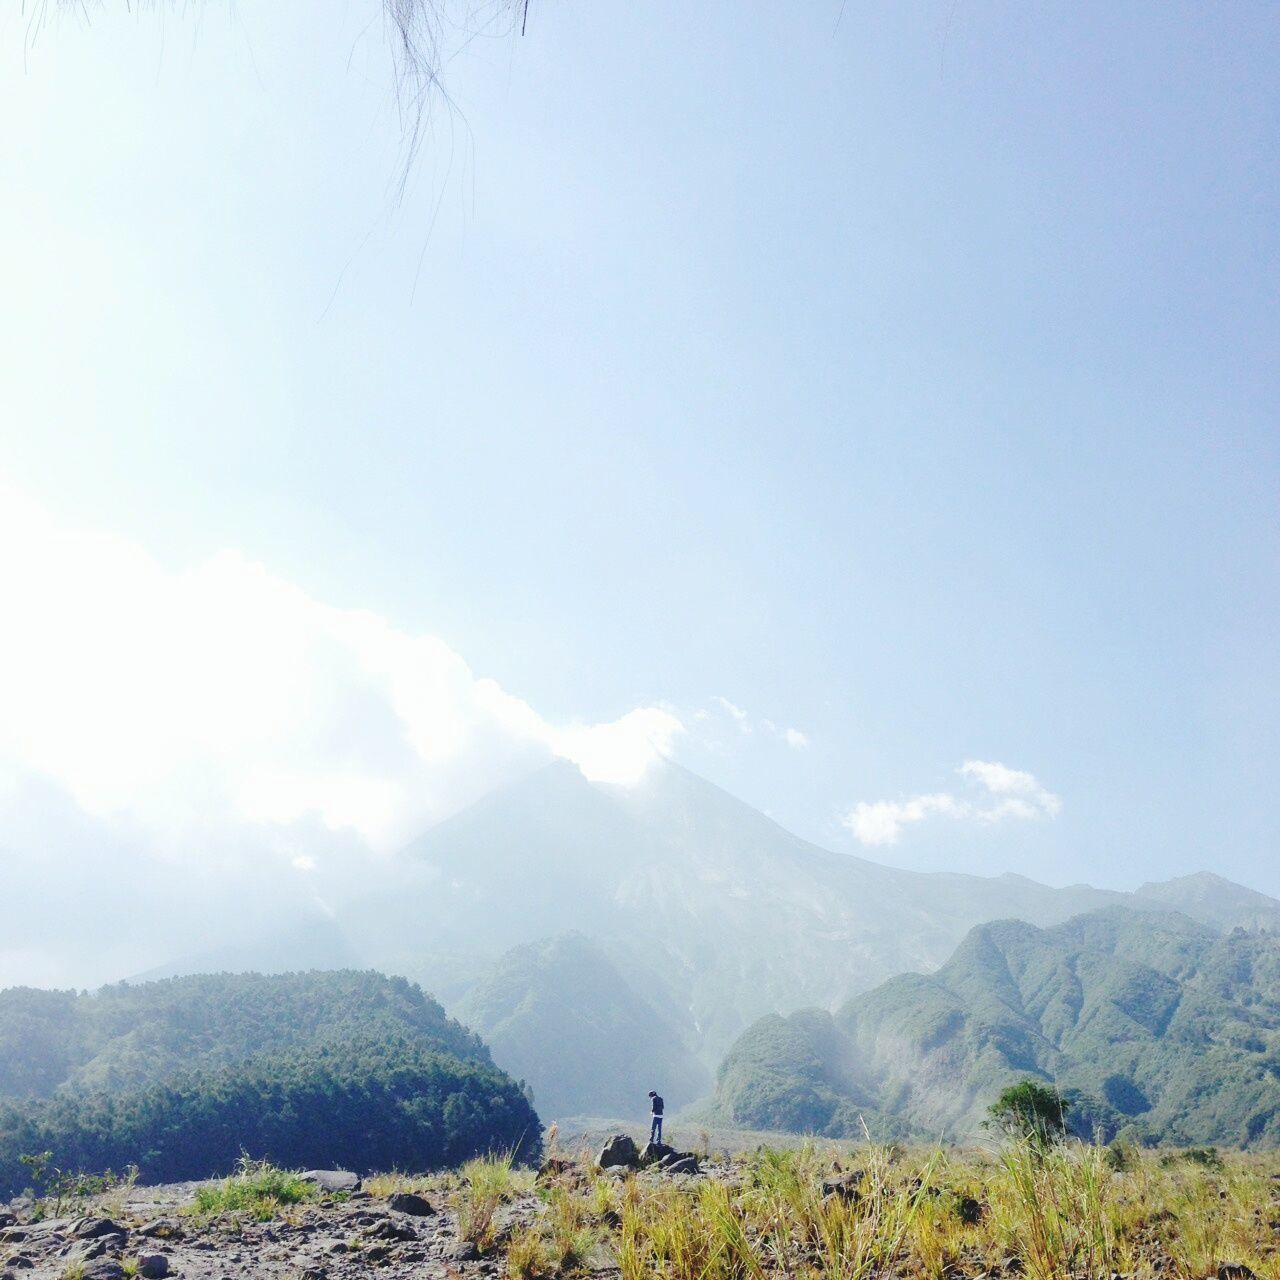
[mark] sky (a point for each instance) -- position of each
(871, 407)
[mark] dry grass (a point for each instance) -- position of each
(943, 1215)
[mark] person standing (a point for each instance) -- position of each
(655, 1116)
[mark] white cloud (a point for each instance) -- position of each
(736, 713)
(220, 695)
(1010, 793)
(1024, 796)
(796, 740)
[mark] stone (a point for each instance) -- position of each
(554, 1167)
(844, 1186)
(104, 1269)
(388, 1230)
(1235, 1271)
(686, 1164)
(153, 1266)
(162, 1229)
(96, 1247)
(619, 1152)
(656, 1153)
(93, 1228)
(464, 1251)
(970, 1210)
(20, 1262)
(414, 1205)
(332, 1180)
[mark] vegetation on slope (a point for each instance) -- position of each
(1152, 1024)
(183, 1078)
(127, 1035)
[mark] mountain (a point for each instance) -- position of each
(559, 1014)
(710, 915)
(1165, 1027)
(1212, 900)
(182, 1076)
(712, 910)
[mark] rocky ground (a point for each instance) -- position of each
(155, 1233)
(152, 1235)
(1071, 1213)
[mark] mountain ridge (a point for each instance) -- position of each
(1166, 1028)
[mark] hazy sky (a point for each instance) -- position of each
(872, 406)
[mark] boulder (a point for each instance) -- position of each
(19, 1262)
(388, 1230)
(1235, 1271)
(162, 1229)
(153, 1266)
(332, 1180)
(463, 1251)
(414, 1205)
(686, 1164)
(844, 1186)
(92, 1228)
(104, 1269)
(554, 1167)
(94, 1247)
(655, 1153)
(619, 1153)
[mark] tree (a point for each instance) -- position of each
(1032, 1111)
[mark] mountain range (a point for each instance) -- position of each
(699, 915)
(1159, 1027)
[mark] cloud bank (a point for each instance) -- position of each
(195, 701)
(1003, 793)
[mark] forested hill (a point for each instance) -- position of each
(133, 1034)
(1161, 1027)
(183, 1076)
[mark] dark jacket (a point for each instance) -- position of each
(656, 1108)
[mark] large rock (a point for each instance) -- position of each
(655, 1153)
(619, 1152)
(332, 1180)
(153, 1266)
(407, 1202)
(685, 1164)
(104, 1269)
(93, 1228)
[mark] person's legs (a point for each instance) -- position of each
(657, 1129)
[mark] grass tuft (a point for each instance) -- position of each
(257, 1188)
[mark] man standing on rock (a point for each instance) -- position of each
(655, 1117)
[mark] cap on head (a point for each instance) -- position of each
(653, 1093)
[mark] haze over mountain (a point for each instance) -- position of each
(559, 1015)
(1166, 1028)
(711, 907)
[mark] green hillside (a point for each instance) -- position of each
(1164, 1028)
(134, 1034)
(560, 1015)
(183, 1076)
